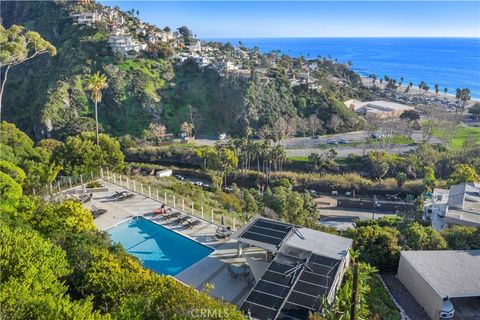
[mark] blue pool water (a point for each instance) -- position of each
(158, 248)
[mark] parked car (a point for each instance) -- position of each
(342, 141)
(179, 177)
(447, 310)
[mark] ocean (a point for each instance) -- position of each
(449, 62)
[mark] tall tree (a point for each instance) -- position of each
(17, 46)
(96, 83)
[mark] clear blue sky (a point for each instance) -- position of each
(249, 19)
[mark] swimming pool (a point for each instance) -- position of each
(157, 247)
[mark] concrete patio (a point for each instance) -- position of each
(212, 269)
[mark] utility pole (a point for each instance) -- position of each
(353, 300)
(375, 204)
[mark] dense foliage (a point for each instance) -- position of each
(379, 242)
(150, 88)
(42, 163)
(55, 264)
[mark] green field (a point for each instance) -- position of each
(298, 158)
(461, 134)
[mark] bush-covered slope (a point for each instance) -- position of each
(45, 96)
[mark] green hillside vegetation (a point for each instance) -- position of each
(84, 276)
(55, 264)
(52, 102)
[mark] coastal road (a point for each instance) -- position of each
(345, 151)
(303, 146)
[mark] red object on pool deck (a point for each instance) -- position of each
(159, 211)
(162, 210)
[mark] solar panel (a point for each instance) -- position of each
(266, 231)
(291, 286)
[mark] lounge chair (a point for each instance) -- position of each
(223, 232)
(85, 198)
(126, 196)
(119, 194)
(181, 220)
(191, 224)
(96, 212)
(172, 215)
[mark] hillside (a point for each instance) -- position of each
(45, 97)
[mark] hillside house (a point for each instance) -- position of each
(126, 45)
(195, 46)
(458, 205)
(152, 38)
(88, 18)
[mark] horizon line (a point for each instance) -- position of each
(346, 37)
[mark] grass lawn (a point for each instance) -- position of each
(298, 158)
(461, 134)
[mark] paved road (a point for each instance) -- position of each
(303, 146)
(344, 218)
(345, 151)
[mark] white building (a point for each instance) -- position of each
(151, 38)
(165, 36)
(459, 205)
(313, 66)
(443, 281)
(203, 61)
(195, 46)
(112, 15)
(378, 109)
(141, 31)
(88, 17)
(126, 45)
(164, 173)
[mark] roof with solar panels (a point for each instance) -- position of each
(307, 266)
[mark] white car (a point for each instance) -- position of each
(447, 310)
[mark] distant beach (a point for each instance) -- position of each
(449, 62)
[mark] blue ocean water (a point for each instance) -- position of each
(157, 247)
(449, 62)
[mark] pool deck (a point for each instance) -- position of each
(212, 269)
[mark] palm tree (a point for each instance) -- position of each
(445, 90)
(437, 89)
(96, 83)
(420, 86)
(47, 173)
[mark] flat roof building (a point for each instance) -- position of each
(458, 205)
(307, 265)
(378, 109)
(432, 276)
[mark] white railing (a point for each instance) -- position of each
(171, 201)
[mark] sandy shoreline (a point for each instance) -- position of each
(414, 91)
